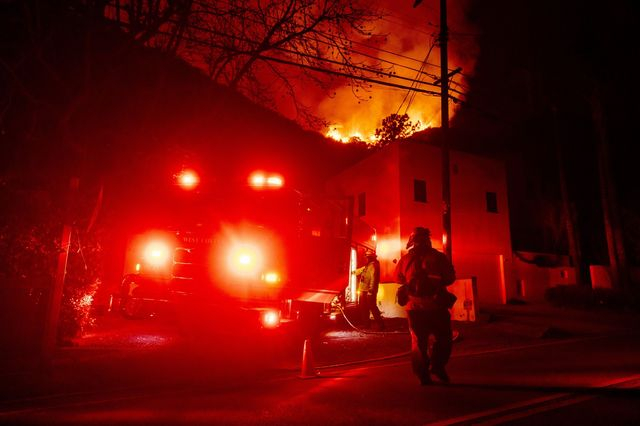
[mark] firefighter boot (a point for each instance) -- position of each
(441, 374)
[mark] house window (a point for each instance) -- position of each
(492, 202)
(419, 191)
(362, 204)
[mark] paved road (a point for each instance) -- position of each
(586, 380)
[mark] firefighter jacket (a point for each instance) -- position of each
(369, 276)
(424, 259)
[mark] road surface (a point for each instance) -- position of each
(586, 380)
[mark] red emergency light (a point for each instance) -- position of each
(270, 318)
(157, 253)
(261, 180)
(245, 259)
(188, 179)
(271, 277)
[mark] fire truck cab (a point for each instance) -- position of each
(261, 249)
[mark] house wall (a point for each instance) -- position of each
(489, 271)
(532, 279)
(423, 162)
(481, 240)
(377, 177)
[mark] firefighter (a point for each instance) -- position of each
(369, 280)
(427, 272)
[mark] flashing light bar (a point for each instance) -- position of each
(260, 180)
(275, 181)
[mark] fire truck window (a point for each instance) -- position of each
(362, 204)
(419, 191)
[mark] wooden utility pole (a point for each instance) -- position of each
(444, 106)
(55, 296)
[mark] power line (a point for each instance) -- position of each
(322, 70)
(343, 74)
(316, 68)
(331, 37)
(290, 51)
(356, 67)
(412, 93)
(388, 85)
(245, 40)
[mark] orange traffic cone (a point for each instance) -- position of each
(308, 369)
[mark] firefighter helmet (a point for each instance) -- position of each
(419, 236)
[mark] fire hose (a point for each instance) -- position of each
(354, 327)
(455, 333)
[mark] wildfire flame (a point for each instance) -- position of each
(340, 134)
(410, 51)
(337, 134)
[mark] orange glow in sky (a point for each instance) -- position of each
(408, 50)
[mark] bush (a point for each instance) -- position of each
(30, 228)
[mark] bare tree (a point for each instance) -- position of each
(261, 48)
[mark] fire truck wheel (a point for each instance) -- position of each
(132, 308)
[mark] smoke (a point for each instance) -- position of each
(408, 37)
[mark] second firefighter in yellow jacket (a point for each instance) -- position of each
(368, 282)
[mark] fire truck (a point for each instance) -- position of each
(259, 250)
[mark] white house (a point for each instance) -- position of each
(399, 187)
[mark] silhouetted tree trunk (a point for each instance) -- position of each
(608, 198)
(568, 210)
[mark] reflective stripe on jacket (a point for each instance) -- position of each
(370, 278)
